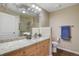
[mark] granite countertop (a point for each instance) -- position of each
(17, 44)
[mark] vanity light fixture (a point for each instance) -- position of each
(33, 10)
(23, 11)
(40, 9)
(33, 6)
(36, 7)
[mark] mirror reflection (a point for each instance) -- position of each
(18, 19)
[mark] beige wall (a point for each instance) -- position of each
(43, 19)
(67, 16)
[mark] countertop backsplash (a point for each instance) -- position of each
(44, 31)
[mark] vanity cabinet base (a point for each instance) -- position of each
(37, 49)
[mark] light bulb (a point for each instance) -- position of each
(39, 9)
(33, 6)
(23, 11)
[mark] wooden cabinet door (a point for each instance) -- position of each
(44, 48)
(38, 49)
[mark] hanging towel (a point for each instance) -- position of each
(65, 32)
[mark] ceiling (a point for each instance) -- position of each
(19, 9)
(50, 7)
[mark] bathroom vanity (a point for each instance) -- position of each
(26, 47)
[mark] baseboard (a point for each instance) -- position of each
(69, 50)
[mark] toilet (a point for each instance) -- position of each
(54, 46)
